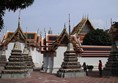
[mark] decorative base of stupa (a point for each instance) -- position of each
(68, 74)
(29, 62)
(15, 75)
(30, 70)
(70, 66)
(3, 60)
(111, 68)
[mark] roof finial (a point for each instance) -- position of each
(19, 19)
(45, 32)
(69, 25)
(50, 31)
(37, 35)
(111, 21)
(83, 16)
(69, 29)
(64, 25)
(87, 16)
(40, 38)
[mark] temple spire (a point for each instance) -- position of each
(69, 26)
(19, 19)
(26, 38)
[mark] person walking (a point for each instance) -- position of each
(85, 68)
(100, 68)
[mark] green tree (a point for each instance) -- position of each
(12, 5)
(97, 37)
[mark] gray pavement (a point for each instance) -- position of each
(38, 77)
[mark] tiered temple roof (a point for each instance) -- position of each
(82, 28)
(63, 40)
(31, 38)
(81, 25)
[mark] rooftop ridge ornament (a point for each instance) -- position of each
(64, 25)
(50, 31)
(40, 38)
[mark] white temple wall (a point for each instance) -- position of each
(89, 60)
(37, 57)
(58, 59)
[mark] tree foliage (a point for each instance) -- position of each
(12, 5)
(97, 37)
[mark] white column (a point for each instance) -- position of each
(45, 59)
(51, 63)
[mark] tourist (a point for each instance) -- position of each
(100, 68)
(85, 68)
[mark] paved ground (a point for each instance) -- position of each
(37, 77)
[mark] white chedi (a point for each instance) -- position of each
(70, 47)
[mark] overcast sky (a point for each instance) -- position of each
(54, 13)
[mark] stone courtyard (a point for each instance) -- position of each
(38, 77)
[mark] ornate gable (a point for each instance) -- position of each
(18, 35)
(13, 36)
(62, 40)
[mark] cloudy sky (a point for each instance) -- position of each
(54, 13)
